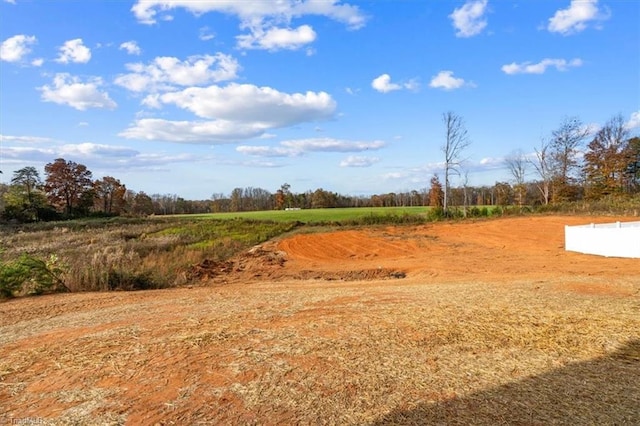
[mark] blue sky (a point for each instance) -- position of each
(199, 97)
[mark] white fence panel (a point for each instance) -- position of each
(620, 239)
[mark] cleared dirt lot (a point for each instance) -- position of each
(484, 322)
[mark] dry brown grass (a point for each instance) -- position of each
(102, 255)
(309, 353)
(545, 348)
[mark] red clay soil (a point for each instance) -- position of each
(521, 248)
(180, 356)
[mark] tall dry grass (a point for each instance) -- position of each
(101, 255)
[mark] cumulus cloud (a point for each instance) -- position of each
(37, 62)
(383, 84)
(445, 80)
(70, 90)
(298, 147)
(249, 103)
(469, 20)
(263, 18)
(74, 51)
(277, 38)
(15, 48)
(166, 72)
(576, 17)
(203, 132)
(131, 47)
(540, 67)
(247, 11)
(231, 113)
(358, 161)
(634, 121)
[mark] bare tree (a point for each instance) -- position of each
(516, 162)
(456, 141)
(542, 165)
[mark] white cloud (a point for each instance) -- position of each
(540, 67)
(74, 51)
(88, 149)
(70, 90)
(489, 163)
(277, 38)
(331, 145)
(634, 121)
(445, 80)
(469, 20)
(358, 161)
(267, 20)
(107, 157)
(15, 48)
(205, 34)
(298, 147)
(24, 139)
(267, 151)
(37, 62)
(383, 84)
(249, 103)
(10, 1)
(231, 113)
(252, 11)
(165, 72)
(131, 47)
(204, 132)
(575, 18)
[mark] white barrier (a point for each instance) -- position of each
(620, 239)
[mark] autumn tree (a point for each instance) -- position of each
(503, 193)
(142, 204)
(436, 194)
(321, 199)
(456, 141)
(283, 196)
(66, 184)
(565, 144)
(606, 159)
(109, 193)
(237, 200)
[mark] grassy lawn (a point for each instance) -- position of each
(318, 215)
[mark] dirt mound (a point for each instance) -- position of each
(496, 250)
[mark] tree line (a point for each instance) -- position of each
(571, 164)
(68, 191)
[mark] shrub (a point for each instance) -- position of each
(30, 275)
(435, 214)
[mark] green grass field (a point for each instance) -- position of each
(318, 215)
